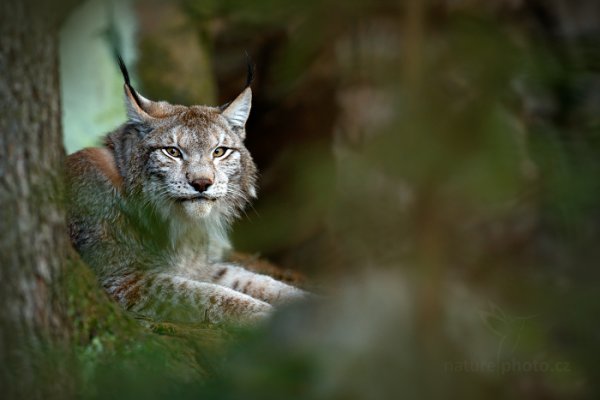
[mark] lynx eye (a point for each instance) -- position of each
(219, 152)
(172, 152)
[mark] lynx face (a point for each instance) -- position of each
(197, 163)
(189, 162)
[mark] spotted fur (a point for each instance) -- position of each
(154, 236)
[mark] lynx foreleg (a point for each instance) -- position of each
(175, 298)
(259, 286)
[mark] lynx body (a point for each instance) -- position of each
(150, 212)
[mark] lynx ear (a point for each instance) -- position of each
(138, 107)
(238, 110)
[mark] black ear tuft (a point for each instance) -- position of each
(127, 80)
(124, 70)
(249, 79)
(250, 73)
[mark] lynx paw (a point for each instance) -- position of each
(257, 314)
(291, 294)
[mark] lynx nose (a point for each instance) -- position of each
(201, 184)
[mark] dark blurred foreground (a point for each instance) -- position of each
(431, 167)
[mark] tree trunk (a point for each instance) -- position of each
(34, 243)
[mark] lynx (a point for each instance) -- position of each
(151, 209)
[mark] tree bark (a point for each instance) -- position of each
(34, 243)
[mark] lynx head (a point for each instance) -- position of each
(186, 161)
